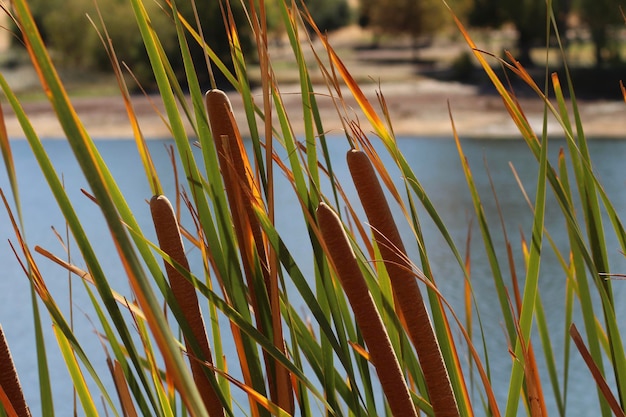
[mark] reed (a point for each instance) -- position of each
(243, 196)
(170, 241)
(238, 180)
(407, 295)
(366, 314)
(121, 386)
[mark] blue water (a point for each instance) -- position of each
(436, 164)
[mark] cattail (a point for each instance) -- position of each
(171, 243)
(238, 177)
(365, 313)
(243, 195)
(406, 292)
(9, 382)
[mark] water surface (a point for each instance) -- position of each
(436, 164)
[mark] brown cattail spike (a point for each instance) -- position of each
(243, 196)
(238, 177)
(9, 381)
(365, 313)
(171, 243)
(405, 288)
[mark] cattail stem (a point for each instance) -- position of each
(171, 243)
(365, 313)
(406, 292)
(9, 381)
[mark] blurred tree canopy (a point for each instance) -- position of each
(600, 17)
(411, 17)
(528, 17)
(76, 44)
(329, 15)
(81, 47)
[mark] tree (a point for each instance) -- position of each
(80, 48)
(215, 34)
(601, 16)
(409, 17)
(528, 17)
(329, 15)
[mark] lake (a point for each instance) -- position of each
(436, 164)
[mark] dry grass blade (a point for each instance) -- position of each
(243, 195)
(9, 382)
(7, 155)
(406, 292)
(365, 313)
(381, 129)
(122, 388)
(85, 276)
(4, 402)
(170, 241)
(595, 372)
(259, 398)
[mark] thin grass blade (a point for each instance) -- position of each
(80, 385)
(596, 372)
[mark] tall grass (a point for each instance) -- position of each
(369, 342)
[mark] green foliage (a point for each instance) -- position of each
(329, 15)
(602, 18)
(411, 17)
(528, 17)
(81, 48)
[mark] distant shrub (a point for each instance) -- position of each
(81, 48)
(463, 67)
(329, 15)
(403, 17)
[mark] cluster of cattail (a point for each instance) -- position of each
(407, 296)
(243, 196)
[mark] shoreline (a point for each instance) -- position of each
(417, 108)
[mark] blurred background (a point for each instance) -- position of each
(406, 38)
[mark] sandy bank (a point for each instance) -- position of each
(416, 107)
